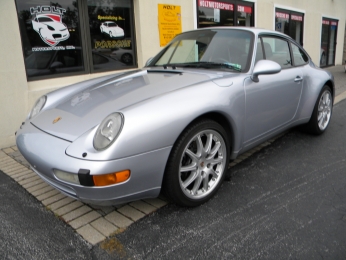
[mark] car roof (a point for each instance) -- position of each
(255, 30)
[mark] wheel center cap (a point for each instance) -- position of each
(202, 164)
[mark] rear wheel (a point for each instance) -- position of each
(322, 113)
(126, 58)
(197, 164)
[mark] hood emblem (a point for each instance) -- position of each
(57, 119)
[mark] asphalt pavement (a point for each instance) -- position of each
(287, 201)
(29, 231)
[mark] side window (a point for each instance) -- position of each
(277, 50)
(299, 56)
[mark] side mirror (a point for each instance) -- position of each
(265, 67)
(148, 61)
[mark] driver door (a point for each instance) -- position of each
(273, 101)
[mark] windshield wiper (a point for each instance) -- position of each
(205, 65)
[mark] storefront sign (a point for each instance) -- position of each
(282, 15)
(325, 22)
(112, 44)
(245, 9)
(215, 5)
(169, 22)
(110, 17)
(297, 17)
(334, 23)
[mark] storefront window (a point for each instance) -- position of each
(328, 42)
(52, 34)
(290, 23)
(244, 15)
(225, 13)
(50, 37)
(111, 34)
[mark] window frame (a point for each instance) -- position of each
(327, 54)
(235, 4)
(86, 50)
(290, 42)
(290, 13)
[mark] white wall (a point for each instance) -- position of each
(147, 25)
(313, 11)
(13, 85)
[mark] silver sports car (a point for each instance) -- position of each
(174, 125)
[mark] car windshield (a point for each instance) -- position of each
(44, 19)
(210, 49)
(112, 25)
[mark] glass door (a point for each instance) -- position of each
(328, 42)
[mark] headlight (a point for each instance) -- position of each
(108, 131)
(38, 106)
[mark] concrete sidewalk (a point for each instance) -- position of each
(93, 223)
(340, 81)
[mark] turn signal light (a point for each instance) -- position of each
(112, 178)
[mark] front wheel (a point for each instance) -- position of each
(322, 113)
(197, 164)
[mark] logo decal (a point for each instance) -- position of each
(48, 24)
(57, 119)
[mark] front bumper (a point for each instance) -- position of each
(45, 152)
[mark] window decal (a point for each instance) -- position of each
(48, 24)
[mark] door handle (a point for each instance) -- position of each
(298, 79)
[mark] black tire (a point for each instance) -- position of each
(127, 58)
(210, 164)
(322, 112)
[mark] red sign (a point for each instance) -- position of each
(245, 9)
(282, 15)
(297, 17)
(334, 23)
(215, 5)
(325, 22)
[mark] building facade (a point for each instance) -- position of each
(47, 45)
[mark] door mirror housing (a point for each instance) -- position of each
(148, 61)
(265, 67)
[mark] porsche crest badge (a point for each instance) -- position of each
(57, 119)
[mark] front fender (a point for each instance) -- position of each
(156, 123)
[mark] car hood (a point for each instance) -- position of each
(74, 115)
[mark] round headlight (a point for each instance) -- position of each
(38, 106)
(108, 131)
